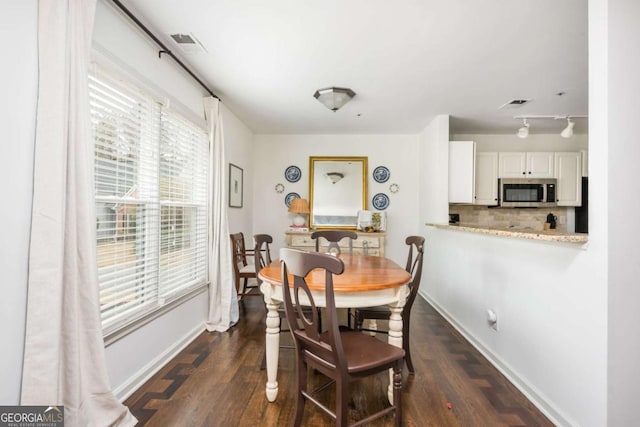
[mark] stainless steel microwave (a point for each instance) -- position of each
(527, 193)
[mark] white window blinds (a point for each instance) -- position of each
(183, 204)
(151, 201)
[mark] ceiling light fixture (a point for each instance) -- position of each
(523, 132)
(335, 176)
(334, 97)
(568, 131)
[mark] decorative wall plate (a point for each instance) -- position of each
(289, 197)
(292, 174)
(394, 188)
(279, 188)
(381, 174)
(380, 201)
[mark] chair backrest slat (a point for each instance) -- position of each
(334, 237)
(238, 248)
(262, 252)
(414, 266)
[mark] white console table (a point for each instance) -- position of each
(366, 244)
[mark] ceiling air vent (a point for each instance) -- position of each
(188, 43)
(514, 103)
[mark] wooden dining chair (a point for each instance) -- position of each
(334, 237)
(340, 354)
(414, 266)
(242, 269)
(262, 255)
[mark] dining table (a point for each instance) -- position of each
(366, 281)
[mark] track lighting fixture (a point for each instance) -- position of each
(523, 132)
(567, 132)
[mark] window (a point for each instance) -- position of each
(151, 173)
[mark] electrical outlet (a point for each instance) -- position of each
(492, 319)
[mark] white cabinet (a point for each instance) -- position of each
(525, 165)
(568, 172)
(461, 171)
(512, 165)
(486, 179)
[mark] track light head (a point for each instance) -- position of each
(523, 132)
(568, 131)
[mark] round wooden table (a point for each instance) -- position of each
(366, 281)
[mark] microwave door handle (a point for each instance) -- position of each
(543, 190)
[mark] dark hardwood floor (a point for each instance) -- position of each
(217, 381)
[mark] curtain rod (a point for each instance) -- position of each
(164, 50)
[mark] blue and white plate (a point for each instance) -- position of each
(289, 197)
(381, 174)
(292, 174)
(380, 201)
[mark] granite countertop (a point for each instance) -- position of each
(522, 233)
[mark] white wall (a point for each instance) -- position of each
(18, 76)
(273, 153)
(621, 83)
(551, 305)
(239, 151)
(434, 173)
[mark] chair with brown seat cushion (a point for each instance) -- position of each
(340, 354)
(334, 237)
(414, 266)
(242, 269)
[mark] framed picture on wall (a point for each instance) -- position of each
(235, 186)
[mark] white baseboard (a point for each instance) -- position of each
(126, 389)
(530, 392)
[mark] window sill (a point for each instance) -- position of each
(113, 336)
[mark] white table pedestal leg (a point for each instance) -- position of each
(272, 342)
(395, 338)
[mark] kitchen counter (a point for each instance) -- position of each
(521, 233)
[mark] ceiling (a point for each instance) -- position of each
(407, 61)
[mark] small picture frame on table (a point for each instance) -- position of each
(235, 186)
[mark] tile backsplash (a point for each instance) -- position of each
(509, 217)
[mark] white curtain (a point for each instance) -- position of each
(223, 301)
(64, 360)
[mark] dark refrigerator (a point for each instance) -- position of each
(582, 212)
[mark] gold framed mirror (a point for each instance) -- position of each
(337, 191)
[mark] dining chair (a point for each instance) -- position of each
(340, 354)
(414, 266)
(262, 255)
(242, 269)
(334, 237)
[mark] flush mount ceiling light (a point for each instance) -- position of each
(335, 176)
(523, 132)
(334, 97)
(567, 132)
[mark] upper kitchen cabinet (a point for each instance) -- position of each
(462, 171)
(486, 179)
(525, 165)
(568, 171)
